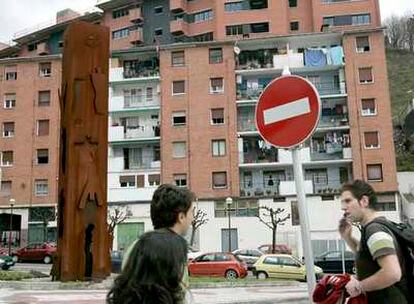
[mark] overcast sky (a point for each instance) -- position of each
(18, 15)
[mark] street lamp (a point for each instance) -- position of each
(12, 202)
(229, 202)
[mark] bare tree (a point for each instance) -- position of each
(200, 218)
(396, 31)
(44, 215)
(116, 216)
(270, 217)
(410, 32)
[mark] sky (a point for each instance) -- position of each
(18, 15)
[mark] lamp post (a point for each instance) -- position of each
(229, 202)
(12, 201)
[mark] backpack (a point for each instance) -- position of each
(404, 234)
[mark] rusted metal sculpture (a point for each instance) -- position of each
(83, 244)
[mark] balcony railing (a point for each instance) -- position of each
(259, 189)
(119, 133)
(145, 72)
(324, 89)
(333, 151)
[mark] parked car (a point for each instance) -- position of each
(331, 262)
(219, 264)
(35, 252)
(6, 262)
(282, 266)
(250, 256)
(116, 261)
(279, 249)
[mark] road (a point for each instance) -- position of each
(239, 295)
(33, 266)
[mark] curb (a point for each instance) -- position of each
(48, 285)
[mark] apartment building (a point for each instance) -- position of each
(215, 58)
(184, 82)
(30, 78)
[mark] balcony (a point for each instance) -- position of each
(254, 89)
(289, 187)
(138, 133)
(135, 36)
(179, 27)
(135, 15)
(144, 74)
(259, 189)
(333, 152)
(178, 6)
(136, 102)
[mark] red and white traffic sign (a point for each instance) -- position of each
(288, 111)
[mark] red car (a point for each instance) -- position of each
(218, 264)
(35, 252)
(279, 249)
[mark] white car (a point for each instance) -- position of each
(193, 253)
(250, 256)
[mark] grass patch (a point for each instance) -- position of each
(10, 275)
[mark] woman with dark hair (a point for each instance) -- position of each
(154, 271)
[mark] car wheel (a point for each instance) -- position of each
(5, 267)
(231, 274)
(47, 259)
(262, 275)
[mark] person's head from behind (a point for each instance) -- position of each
(357, 200)
(153, 272)
(172, 207)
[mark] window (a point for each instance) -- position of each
(216, 85)
(294, 26)
(219, 147)
(295, 213)
(365, 75)
(371, 140)
(120, 33)
(217, 116)
(120, 13)
(347, 20)
(45, 69)
(180, 180)
(132, 158)
(8, 129)
(257, 4)
(203, 37)
(179, 149)
(203, 16)
(158, 32)
(41, 187)
(317, 176)
(215, 55)
(158, 10)
(44, 99)
(374, 173)
(232, 30)
(11, 72)
(42, 156)
(386, 203)
(259, 27)
(127, 181)
(293, 3)
(240, 208)
(7, 158)
(177, 58)
(156, 153)
(154, 179)
(43, 127)
(178, 118)
(178, 87)
(369, 107)
(219, 179)
(233, 6)
(149, 94)
(5, 188)
(140, 181)
(362, 44)
(32, 47)
(9, 101)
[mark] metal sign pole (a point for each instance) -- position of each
(304, 221)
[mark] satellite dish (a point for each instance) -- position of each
(236, 50)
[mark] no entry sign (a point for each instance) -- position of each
(288, 111)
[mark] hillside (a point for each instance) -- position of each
(401, 79)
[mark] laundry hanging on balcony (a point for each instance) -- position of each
(337, 55)
(315, 57)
